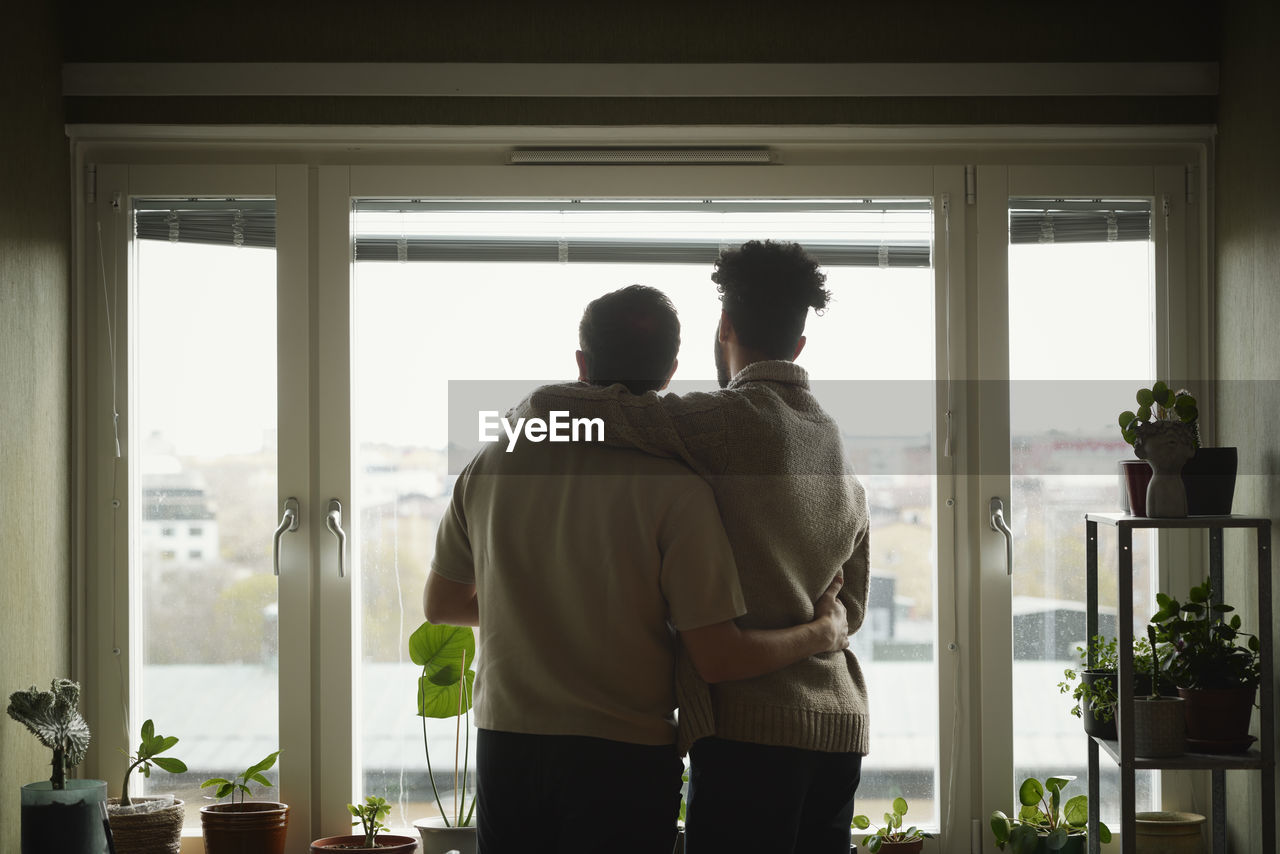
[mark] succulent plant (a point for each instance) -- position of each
(53, 717)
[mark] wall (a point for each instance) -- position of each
(827, 31)
(35, 476)
(1248, 313)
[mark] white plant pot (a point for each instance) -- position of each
(1169, 833)
(438, 839)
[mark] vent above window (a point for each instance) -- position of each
(640, 156)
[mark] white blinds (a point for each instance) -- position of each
(1059, 221)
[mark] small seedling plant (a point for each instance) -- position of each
(892, 830)
(148, 753)
(369, 816)
(1044, 815)
(240, 783)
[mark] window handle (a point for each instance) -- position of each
(333, 521)
(288, 522)
(999, 524)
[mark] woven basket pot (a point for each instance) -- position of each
(1159, 727)
(157, 832)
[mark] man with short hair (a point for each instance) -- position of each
(776, 759)
(579, 563)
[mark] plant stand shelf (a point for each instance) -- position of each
(1263, 758)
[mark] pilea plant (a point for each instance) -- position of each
(148, 753)
(1044, 815)
(892, 830)
(1160, 403)
(240, 783)
(369, 816)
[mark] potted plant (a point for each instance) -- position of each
(1159, 722)
(60, 814)
(1209, 476)
(1044, 823)
(1094, 688)
(1156, 405)
(1216, 676)
(148, 825)
(892, 837)
(369, 816)
(445, 654)
(244, 827)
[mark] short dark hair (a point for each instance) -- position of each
(767, 289)
(630, 336)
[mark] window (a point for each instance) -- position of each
(436, 285)
(287, 331)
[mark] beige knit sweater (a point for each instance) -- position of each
(795, 515)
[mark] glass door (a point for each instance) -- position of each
(468, 305)
(201, 416)
(1079, 300)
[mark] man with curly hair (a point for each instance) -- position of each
(775, 759)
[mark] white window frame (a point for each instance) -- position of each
(314, 173)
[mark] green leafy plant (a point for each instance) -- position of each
(445, 654)
(53, 717)
(1198, 646)
(370, 815)
(1102, 695)
(147, 754)
(1043, 814)
(892, 830)
(240, 783)
(1160, 403)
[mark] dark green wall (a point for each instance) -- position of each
(1248, 306)
(852, 31)
(659, 31)
(35, 472)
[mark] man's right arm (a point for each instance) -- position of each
(723, 652)
(689, 427)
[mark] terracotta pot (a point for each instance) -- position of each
(1218, 719)
(1136, 474)
(1210, 479)
(387, 844)
(256, 827)
(158, 832)
(438, 839)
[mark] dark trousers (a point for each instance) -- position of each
(747, 798)
(557, 793)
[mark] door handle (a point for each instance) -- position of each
(999, 524)
(333, 521)
(288, 522)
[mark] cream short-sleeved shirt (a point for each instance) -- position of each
(585, 560)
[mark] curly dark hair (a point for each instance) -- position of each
(630, 336)
(767, 289)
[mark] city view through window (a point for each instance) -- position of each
(430, 331)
